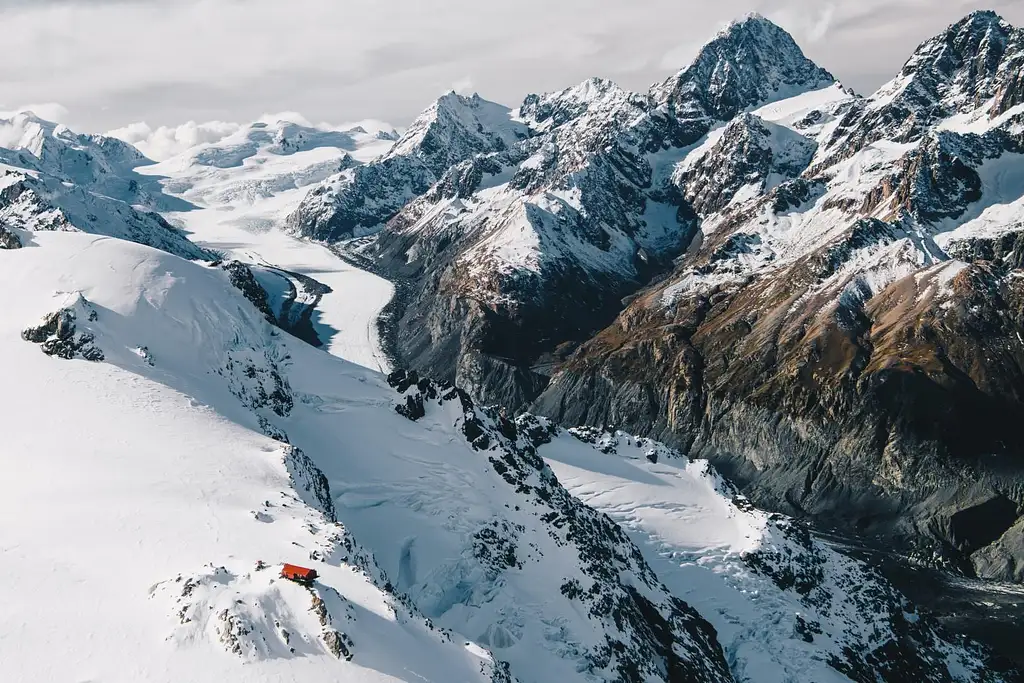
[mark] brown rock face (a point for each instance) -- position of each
(895, 414)
(846, 340)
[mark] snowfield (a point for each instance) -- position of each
(153, 544)
(242, 188)
(128, 485)
(695, 535)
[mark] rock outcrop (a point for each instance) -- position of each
(362, 198)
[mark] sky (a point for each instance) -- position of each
(103, 64)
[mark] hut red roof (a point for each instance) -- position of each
(297, 573)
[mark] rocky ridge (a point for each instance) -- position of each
(361, 198)
(539, 243)
(845, 341)
(55, 179)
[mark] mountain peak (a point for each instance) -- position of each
(749, 19)
(750, 62)
(974, 61)
(980, 18)
(549, 110)
(979, 35)
(456, 127)
(453, 98)
(757, 24)
(982, 25)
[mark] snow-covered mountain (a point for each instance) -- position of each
(359, 200)
(209, 448)
(830, 273)
(814, 292)
(238, 193)
(511, 254)
(751, 61)
(844, 333)
(54, 179)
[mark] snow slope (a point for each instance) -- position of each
(134, 513)
(242, 188)
(170, 439)
(166, 532)
(700, 538)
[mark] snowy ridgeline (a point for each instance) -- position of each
(214, 200)
(172, 449)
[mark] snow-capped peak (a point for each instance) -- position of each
(748, 18)
(454, 128)
(60, 151)
(543, 112)
(357, 201)
(751, 156)
(975, 62)
(752, 61)
(978, 41)
(26, 131)
(982, 19)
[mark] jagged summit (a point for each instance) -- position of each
(58, 149)
(545, 111)
(971, 72)
(975, 60)
(752, 61)
(748, 18)
(359, 200)
(455, 127)
(982, 35)
(981, 38)
(982, 18)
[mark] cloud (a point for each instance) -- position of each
(819, 29)
(48, 111)
(807, 24)
(463, 86)
(166, 141)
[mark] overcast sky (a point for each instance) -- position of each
(112, 62)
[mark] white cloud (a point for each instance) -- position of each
(820, 29)
(463, 86)
(290, 116)
(49, 111)
(166, 141)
